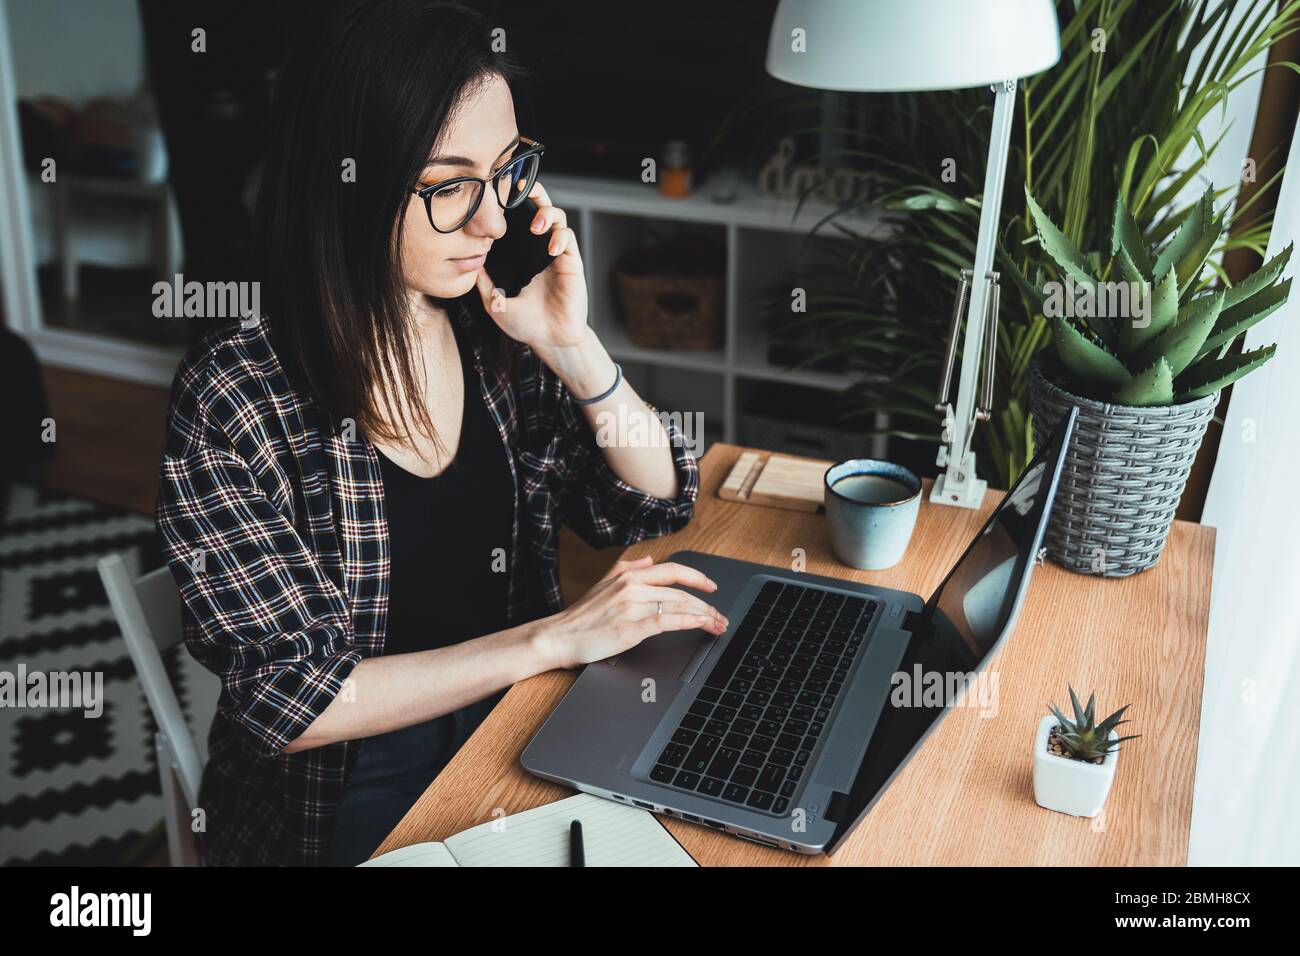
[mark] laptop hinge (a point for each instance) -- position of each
(835, 809)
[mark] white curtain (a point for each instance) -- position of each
(1248, 765)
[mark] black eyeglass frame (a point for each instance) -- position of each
(426, 191)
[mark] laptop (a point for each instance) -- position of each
(787, 728)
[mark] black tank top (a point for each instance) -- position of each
(450, 535)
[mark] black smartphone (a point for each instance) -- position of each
(521, 253)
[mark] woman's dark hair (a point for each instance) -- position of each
(367, 86)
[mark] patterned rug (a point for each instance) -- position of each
(76, 790)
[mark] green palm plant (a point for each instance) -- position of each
(1119, 115)
(1170, 337)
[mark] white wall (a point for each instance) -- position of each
(76, 49)
(1235, 125)
(1248, 761)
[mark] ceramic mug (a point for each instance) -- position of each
(871, 509)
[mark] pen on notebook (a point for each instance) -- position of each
(576, 856)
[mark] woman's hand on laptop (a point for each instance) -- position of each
(633, 601)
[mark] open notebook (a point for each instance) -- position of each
(612, 835)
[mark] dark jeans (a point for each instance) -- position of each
(391, 772)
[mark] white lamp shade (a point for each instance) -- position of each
(899, 45)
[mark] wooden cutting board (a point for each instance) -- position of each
(796, 484)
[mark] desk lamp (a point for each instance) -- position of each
(887, 46)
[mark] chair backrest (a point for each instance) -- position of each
(148, 611)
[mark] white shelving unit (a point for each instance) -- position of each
(761, 237)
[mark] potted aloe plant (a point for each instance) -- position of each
(1142, 345)
(1075, 760)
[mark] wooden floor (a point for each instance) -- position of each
(109, 440)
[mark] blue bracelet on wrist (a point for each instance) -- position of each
(618, 377)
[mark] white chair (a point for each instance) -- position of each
(149, 612)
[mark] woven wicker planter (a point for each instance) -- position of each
(1124, 473)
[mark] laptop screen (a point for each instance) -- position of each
(965, 619)
(980, 596)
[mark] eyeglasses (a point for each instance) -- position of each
(452, 203)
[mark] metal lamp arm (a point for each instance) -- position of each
(958, 484)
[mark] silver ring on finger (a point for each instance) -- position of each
(659, 608)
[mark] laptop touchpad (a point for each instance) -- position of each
(672, 652)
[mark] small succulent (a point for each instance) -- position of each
(1174, 346)
(1085, 739)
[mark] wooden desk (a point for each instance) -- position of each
(967, 797)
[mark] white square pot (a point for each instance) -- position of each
(1070, 786)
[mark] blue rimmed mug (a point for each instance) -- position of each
(871, 509)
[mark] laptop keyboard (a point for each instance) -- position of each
(750, 733)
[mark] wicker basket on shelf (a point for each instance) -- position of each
(672, 294)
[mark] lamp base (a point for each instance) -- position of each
(969, 494)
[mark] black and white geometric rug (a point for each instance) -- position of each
(75, 790)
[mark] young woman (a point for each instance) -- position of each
(362, 488)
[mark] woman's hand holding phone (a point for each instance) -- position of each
(550, 312)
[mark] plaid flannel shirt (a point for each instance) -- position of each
(272, 522)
